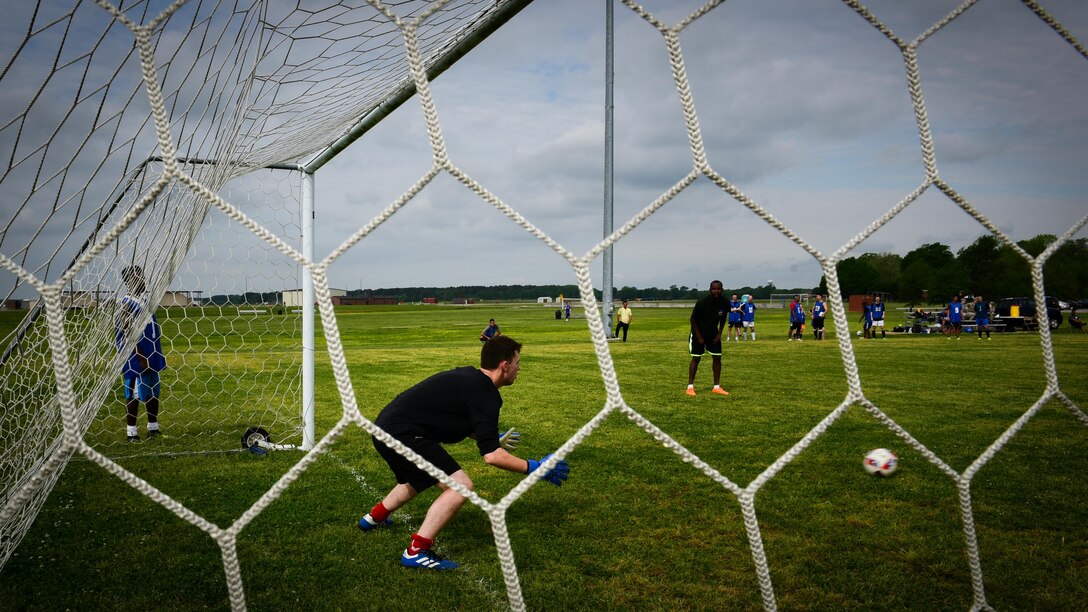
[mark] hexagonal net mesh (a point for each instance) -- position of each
(182, 191)
(96, 181)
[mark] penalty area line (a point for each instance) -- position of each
(464, 574)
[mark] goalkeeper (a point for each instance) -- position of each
(444, 409)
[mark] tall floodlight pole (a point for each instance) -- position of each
(606, 298)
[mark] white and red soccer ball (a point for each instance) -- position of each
(880, 462)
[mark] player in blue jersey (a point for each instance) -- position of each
(866, 319)
(491, 331)
(140, 371)
(707, 322)
(736, 319)
(982, 316)
(955, 317)
(819, 313)
(797, 319)
(748, 316)
(877, 311)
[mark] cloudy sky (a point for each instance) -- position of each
(803, 106)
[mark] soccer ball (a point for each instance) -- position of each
(859, 333)
(880, 462)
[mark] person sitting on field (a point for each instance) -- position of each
(1075, 322)
(491, 331)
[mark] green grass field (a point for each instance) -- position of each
(634, 527)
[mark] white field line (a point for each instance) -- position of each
(464, 574)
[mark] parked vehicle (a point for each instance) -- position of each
(1026, 311)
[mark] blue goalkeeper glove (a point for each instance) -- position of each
(556, 475)
(509, 439)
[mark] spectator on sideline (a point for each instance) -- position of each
(141, 370)
(819, 311)
(566, 310)
(921, 321)
(748, 317)
(877, 311)
(982, 316)
(623, 320)
(491, 331)
(707, 322)
(955, 317)
(1074, 322)
(797, 319)
(445, 409)
(734, 320)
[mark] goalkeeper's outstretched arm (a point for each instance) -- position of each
(502, 459)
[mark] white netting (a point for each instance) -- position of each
(251, 100)
(94, 183)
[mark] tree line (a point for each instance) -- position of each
(932, 273)
(532, 292)
(502, 293)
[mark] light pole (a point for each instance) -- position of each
(606, 290)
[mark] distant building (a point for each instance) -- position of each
(293, 297)
(179, 298)
(366, 300)
(462, 301)
(349, 301)
(544, 300)
(430, 300)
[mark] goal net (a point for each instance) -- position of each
(783, 300)
(180, 137)
(166, 138)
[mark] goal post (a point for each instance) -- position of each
(222, 302)
(237, 356)
(308, 334)
(782, 300)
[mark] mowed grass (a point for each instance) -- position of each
(635, 527)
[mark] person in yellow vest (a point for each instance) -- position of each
(623, 320)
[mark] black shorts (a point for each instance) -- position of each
(697, 350)
(408, 472)
(736, 324)
(796, 324)
(817, 323)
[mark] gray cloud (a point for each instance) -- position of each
(803, 106)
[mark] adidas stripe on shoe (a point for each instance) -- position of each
(426, 559)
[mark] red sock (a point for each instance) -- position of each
(419, 543)
(379, 513)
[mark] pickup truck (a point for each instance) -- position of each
(1026, 319)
